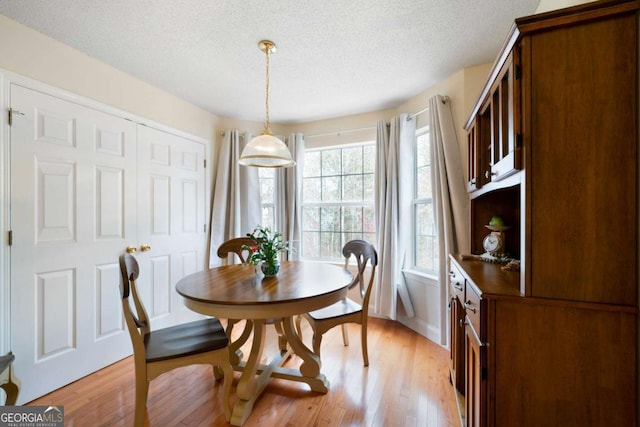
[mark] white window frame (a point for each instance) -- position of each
(414, 208)
(338, 203)
(272, 204)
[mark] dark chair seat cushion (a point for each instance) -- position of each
(5, 361)
(339, 309)
(186, 339)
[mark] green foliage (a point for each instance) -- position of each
(268, 245)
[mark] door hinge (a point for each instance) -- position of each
(11, 112)
(205, 163)
(517, 73)
(10, 238)
(205, 228)
(483, 373)
(518, 140)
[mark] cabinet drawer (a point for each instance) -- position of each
(456, 280)
(472, 307)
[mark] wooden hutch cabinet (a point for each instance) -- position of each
(553, 149)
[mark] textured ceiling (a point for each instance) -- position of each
(334, 57)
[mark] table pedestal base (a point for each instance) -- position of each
(255, 376)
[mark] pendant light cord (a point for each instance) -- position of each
(267, 126)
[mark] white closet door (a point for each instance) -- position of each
(73, 211)
(85, 185)
(171, 218)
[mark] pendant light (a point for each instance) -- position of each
(265, 150)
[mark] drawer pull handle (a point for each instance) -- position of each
(469, 306)
(457, 286)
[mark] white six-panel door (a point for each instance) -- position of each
(171, 220)
(84, 185)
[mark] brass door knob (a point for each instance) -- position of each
(145, 248)
(130, 249)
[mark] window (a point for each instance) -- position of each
(267, 196)
(337, 200)
(425, 250)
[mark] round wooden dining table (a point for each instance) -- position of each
(236, 292)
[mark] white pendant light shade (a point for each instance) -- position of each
(266, 151)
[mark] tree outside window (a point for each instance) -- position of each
(267, 178)
(425, 243)
(338, 185)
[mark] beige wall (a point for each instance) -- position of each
(463, 89)
(31, 54)
(547, 5)
(342, 130)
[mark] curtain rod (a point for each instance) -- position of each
(340, 132)
(424, 110)
(223, 132)
(409, 117)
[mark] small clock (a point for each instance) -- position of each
(493, 243)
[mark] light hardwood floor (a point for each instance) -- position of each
(406, 384)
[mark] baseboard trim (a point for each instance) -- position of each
(428, 331)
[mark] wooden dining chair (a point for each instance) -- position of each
(8, 381)
(235, 246)
(347, 310)
(156, 352)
